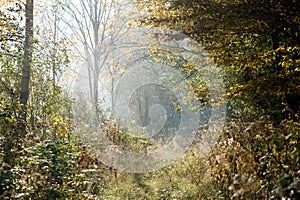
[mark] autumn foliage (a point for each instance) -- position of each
(256, 46)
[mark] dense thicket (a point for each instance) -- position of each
(40, 160)
(257, 46)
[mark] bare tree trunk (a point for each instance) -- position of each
(95, 29)
(96, 24)
(26, 68)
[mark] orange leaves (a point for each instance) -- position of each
(86, 161)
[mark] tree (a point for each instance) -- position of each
(256, 41)
(11, 48)
(42, 162)
(26, 65)
(96, 32)
(256, 44)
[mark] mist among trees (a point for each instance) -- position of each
(81, 116)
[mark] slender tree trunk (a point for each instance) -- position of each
(26, 68)
(96, 61)
(96, 93)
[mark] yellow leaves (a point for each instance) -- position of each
(60, 126)
(190, 11)
(177, 106)
(122, 70)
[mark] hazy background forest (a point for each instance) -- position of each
(149, 99)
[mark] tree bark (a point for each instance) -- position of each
(26, 68)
